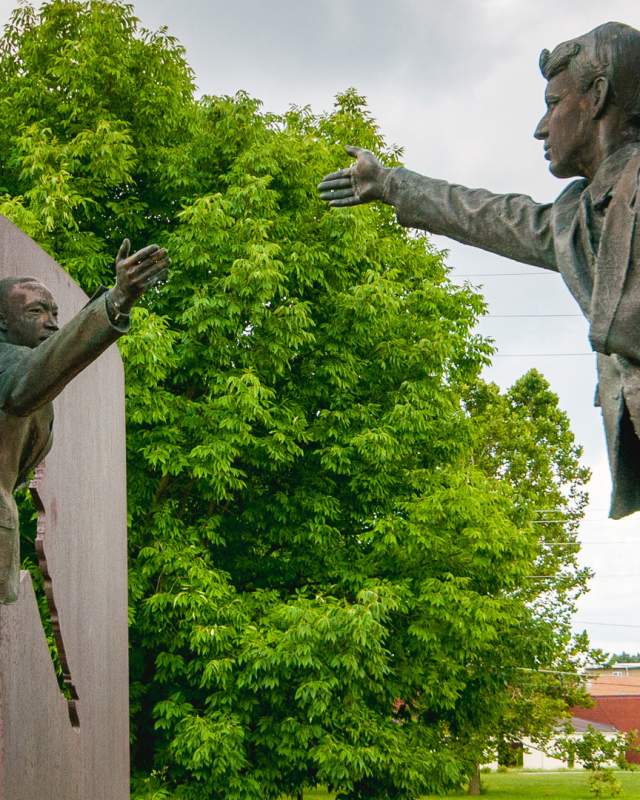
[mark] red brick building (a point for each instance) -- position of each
(616, 695)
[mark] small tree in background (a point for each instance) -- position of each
(624, 657)
(599, 754)
(334, 568)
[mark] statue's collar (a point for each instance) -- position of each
(609, 173)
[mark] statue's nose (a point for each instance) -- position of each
(541, 132)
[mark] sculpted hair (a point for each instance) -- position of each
(611, 50)
(7, 284)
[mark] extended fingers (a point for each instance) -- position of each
(354, 200)
(338, 194)
(154, 267)
(341, 174)
(337, 186)
(123, 252)
(151, 276)
(328, 183)
(142, 255)
(154, 263)
(156, 278)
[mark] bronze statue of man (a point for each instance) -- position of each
(590, 234)
(37, 360)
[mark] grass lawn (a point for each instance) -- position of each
(518, 785)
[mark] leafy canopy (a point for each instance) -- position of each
(332, 548)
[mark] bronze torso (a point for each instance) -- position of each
(29, 380)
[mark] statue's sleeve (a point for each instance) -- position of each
(511, 225)
(36, 376)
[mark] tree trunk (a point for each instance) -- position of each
(474, 782)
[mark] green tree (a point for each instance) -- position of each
(624, 658)
(334, 531)
(525, 439)
(598, 753)
(94, 114)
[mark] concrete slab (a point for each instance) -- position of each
(50, 748)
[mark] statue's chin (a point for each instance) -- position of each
(564, 170)
(557, 171)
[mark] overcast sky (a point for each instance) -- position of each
(456, 83)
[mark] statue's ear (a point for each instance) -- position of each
(600, 95)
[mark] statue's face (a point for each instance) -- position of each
(30, 315)
(567, 128)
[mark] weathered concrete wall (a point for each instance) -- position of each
(50, 750)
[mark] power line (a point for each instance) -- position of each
(607, 624)
(569, 521)
(529, 316)
(549, 671)
(540, 355)
(557, 511)
(523, 316)
(546, 273)
(585, 521)
(595, 680)
(560, 544)
(596, 576)
(582, 676)
(582, 542)
(546, 520)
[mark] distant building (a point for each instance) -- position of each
(616, 680)
(532, 758)
(525, 754)
(616, 694)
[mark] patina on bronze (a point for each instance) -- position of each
(590, 234)
(37, 360)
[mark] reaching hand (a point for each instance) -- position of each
(136, 273)
(362, 182)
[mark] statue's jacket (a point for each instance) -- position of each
(590, 234)
(29, 381)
